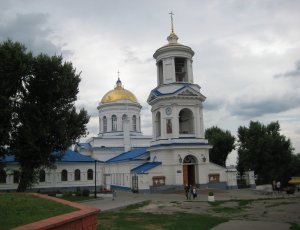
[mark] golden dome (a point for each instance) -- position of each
(117, 94)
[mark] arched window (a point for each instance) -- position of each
(100, 125)
(114, 123)
(186, 122)
(157, 124)
(42, 176)
(2, 176)
(124, 119)
(134, 123)
(16, 176)
(90, 174)
(77, 174)
(104, 124)
(64, 175)
(190, 159)
(139, 128)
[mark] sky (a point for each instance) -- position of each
(247, 52)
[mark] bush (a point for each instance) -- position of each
(210, 193)
(86, 192)
(78, 191)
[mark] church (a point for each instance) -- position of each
(121, 157)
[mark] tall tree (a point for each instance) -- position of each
(294, 168)
(223, 144)
(264, 150)
(15, 63)
(45, 120)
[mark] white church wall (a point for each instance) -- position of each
(53, 177)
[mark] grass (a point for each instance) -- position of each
(295, 226)
(20, 209)
(131, 218)
(241, 205)
(139, 221)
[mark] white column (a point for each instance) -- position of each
(127, 142)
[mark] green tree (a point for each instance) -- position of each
(14, 67)
(45, 121)
(295, 165)
(263, 149)
(223, 144)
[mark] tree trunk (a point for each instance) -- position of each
(26, 179)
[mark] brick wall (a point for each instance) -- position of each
(83, 219)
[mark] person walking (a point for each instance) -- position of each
(186, 189)
(194, 192)
(190, 191)
(278, 185)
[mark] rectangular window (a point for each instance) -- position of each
(158, 180)
(213, 178)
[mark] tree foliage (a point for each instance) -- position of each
(45, 121)
(15, 65)
(294, 168)
(263, 149)
(223, 144)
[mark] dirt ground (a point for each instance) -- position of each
(277, 209)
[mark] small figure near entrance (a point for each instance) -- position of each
(274, 185)
(113, 194)
(194, 192)
(186, 189)
(190, 191)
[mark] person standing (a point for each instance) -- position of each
(194, 192)
(278, 185)
(190, 191)
(186, 189)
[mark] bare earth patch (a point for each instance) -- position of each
(285, 210)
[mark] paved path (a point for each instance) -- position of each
(125, 198)
(251, 225)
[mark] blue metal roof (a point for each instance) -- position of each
(72, 156)
(145, 167)
(130, 155)
(8, 159)
(69, 156)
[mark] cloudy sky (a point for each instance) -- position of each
(247, 52)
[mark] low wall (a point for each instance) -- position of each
(85, 218)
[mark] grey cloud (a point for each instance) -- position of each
(213, 104)
(255, 108)
(293, 73)
(32, 30)
(90, 107)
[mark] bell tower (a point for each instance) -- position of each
(177, 110)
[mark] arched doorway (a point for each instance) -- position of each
(189, 170)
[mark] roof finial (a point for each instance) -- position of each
(172, 26)
(172, 38)
(119, 83)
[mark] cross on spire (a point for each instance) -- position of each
(172, 27)
(118, 74)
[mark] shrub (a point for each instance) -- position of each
(86, 192)
(210, 193)
(78, 191)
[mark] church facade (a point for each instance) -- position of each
(121, 157)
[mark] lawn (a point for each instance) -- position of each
(20, 209)
(131, 218)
